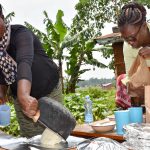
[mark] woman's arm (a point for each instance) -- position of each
(129, 55)
(24, 43)
(28, 103)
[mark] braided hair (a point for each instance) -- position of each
(132, 13)
(1, 12)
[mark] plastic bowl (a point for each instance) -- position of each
(111, 118)
(103, 127)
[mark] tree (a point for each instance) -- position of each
(86, 25)
(144, 2)
(53, 38)
(55, 44)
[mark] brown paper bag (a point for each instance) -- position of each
(147, 103)
(139, 76)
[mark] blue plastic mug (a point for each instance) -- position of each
(122, 118)
(4, 115)
(136, 114)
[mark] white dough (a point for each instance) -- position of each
(50, 138)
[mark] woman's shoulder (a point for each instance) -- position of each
(18, 31)
(18, 28)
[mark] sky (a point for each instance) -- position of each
(31, 11)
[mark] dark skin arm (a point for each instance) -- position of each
(3, 92)
(28, 103)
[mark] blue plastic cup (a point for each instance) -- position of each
(4, 115)
(136, 114)
(122, 118)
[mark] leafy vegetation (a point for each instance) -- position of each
(103, 102)
(13, 128)
(53, 39)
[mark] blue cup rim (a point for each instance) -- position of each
(121, 111)
(135, 108)
(4, 106)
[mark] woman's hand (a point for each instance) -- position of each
(145, 52)
(29, 105)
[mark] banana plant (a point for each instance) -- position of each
(80, 54)
(57, 38)
(53, 38)
(83, 30)
(9, 17)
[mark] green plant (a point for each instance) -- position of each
(103, 103)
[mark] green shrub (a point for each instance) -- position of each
(103, 103)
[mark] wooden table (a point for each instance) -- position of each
(86, 131)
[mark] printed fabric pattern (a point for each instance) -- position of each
(122, 98)
(7, 64)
